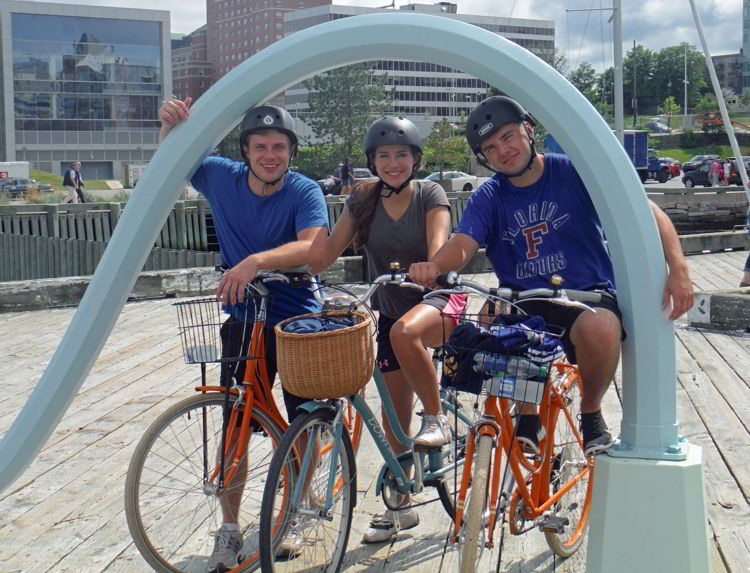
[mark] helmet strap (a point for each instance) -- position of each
(274, 182)
(393, 190)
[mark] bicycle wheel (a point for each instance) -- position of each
(319, 538)
(472, 532)
(458, 407)
(172, 510)
(566, 534)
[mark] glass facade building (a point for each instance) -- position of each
(82, 87)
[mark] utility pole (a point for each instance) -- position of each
(617, 40)
(635, 92)
(685, 103)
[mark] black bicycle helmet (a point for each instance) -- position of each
(392, 130)
(268, 117)
(489, 116)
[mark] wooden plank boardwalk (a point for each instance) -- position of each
(65, 513)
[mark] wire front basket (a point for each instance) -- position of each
(505, 360)
(199, 323)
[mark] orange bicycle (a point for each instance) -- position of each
(550, 490)
(194, 454)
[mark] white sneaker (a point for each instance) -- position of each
(227, 547)
(291, 546)
(435, 432)
(387, 525)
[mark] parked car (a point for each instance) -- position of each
(359, 173)
(17, 186)
(44, 187)
(734, 176)
(699, 175)
(696, 160)
(331, 185)
(460, 181)
(673, 164)
(657, 127)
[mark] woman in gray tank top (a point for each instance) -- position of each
(398, 219)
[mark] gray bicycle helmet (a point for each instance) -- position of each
(268, 117)
(392, 130)
(489, 116)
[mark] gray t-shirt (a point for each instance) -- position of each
(403, 241)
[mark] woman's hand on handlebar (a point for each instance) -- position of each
(424, 274)
(231, 288)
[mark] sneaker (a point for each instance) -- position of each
(291, 546)
(435, 432)
(596, 437)
(227, 547)
(529, 432)
(387, 525)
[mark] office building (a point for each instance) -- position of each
(192, 73)
(237, 29)
(425, 91)
(81, 83)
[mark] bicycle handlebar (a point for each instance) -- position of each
(454, 280)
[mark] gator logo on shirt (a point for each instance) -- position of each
(533, 224)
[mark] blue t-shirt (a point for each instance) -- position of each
(247, 223)
(534, 232)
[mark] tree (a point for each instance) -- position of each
(343, 103)
(558, 60)
(584, 79)
(444, 150)
(637, 79)
(669, 73)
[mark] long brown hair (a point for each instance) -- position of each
(364, 200)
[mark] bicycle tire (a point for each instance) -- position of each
(170, 515)
(471, 536)
(323, 540)
(459, 422)
(568, 462)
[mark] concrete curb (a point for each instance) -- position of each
(722, 310)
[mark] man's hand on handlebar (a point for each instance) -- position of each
(231, 288)
(424, 274)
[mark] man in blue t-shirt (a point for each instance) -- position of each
(536, 219)
(267, 217)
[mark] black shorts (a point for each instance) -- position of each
(564, 316)
(386, 358)
(233, 343)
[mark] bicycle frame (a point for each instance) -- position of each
(404, 483)
(497, 423)
(255, 391)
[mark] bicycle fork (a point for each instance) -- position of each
(486, 427)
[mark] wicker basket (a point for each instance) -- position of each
(326, 364)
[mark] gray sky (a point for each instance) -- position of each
(584, 36)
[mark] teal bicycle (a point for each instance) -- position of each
(323, 488)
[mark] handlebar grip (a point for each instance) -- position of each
(447, 280)
(588, 296)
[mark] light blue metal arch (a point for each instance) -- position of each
(649, 427)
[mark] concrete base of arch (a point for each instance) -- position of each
(649, 516)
